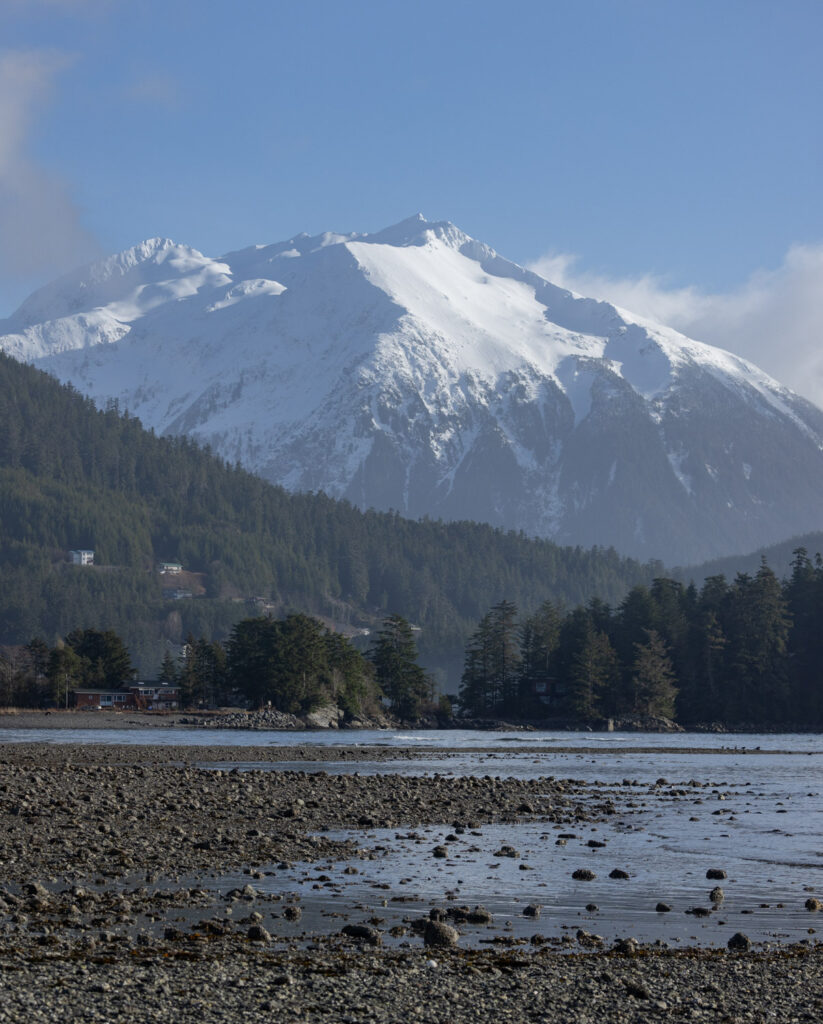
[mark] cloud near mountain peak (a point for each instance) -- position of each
(773, 318)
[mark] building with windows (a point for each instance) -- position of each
(81, 557)
(137, 697)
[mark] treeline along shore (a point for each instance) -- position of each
(746, 653)
(749, 651)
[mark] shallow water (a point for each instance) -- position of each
(771, 868)
(442, 739)
(751, 805)
(660, 870)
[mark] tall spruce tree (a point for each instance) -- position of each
(476, 696)
(653, 679)
(804, 596)
(594, 673)
(759, 626)
(539, 639)
(505, 657)
(398, 674)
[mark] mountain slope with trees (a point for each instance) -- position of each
(74, 477)
(780, 557)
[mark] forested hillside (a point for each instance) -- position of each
(779, 557)
(72, 476)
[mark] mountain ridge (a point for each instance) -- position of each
(416, 369)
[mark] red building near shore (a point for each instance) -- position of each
(138, 697)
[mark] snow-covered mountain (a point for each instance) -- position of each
(417, 370)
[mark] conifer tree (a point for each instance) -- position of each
(539, 639)
(758, 632)
(652, 677)
(476, 695)
(168, 670)
(595, 672)
(505, 657)
(398, 674)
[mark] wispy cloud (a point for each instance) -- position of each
(775, 318)
(157, 88)
(41, 228)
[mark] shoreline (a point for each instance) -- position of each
(136, 885)
(193, 721)
(207, 984)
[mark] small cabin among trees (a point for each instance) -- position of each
(81, 557)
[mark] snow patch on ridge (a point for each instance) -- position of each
(256, 288)
(487, 327)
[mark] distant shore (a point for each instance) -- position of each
(27, 718)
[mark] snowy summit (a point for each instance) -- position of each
(416, 369)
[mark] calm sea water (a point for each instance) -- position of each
(455, 739)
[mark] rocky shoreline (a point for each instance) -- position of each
(113, 904)
(326, 719)
(219, 982)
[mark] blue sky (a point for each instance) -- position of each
(662, 153)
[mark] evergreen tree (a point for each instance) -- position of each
(703, 701)
(636, 615)
(186, 671)
(804, 596)
(505, 657)
(169, 672)
(297, 665)
(103, 659)
(758, 632)
(38, 651)
(476, 694)
(352, 681)
(66, 672)
(397, 672)
(595, 672)
(653, 686)
(539, 639)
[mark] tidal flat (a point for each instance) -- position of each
(388, 883)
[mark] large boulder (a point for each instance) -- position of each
(325, 717)
(439, 934)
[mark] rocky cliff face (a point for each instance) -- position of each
(417, 370)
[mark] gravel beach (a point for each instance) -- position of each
(114, 905)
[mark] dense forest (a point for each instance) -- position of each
(779, 558)
(75, 477)
(295, 665)
(747, 652)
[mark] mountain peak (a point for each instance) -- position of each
(416, 230)
(416, 369)
(104, 281)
